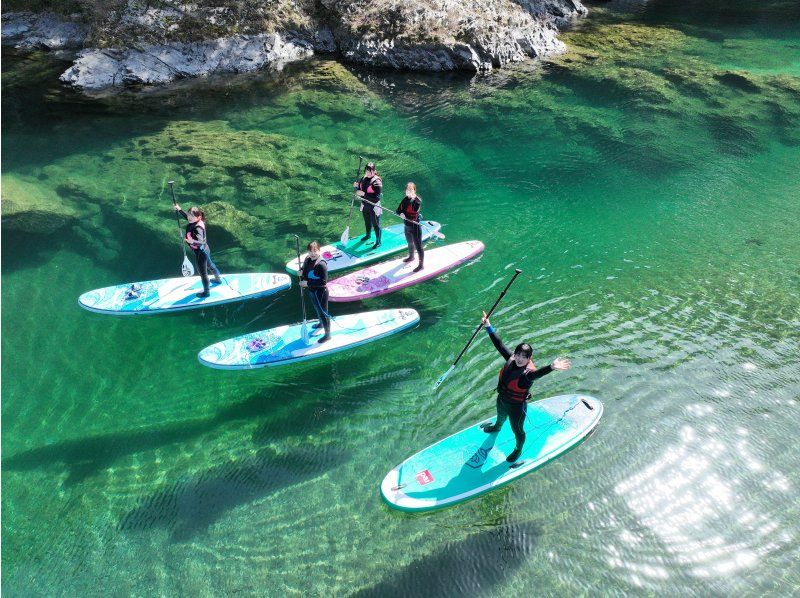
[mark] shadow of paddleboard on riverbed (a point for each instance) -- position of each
(470, 567)
(188, 507)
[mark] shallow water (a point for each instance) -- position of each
(646, 184)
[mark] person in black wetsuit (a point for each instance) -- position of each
(195, 237)
(409, 211)
(314, 277)
(513, 386)
(370, 188)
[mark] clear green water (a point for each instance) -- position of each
(647, 185)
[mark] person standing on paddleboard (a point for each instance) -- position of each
(370, 189)
(314, 277)
(195, 237)
(408, 210)
(513, 386)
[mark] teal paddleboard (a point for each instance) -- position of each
(360, 253)
(472, 462)
(285, 344)
(178, 294)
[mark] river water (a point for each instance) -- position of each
(647, 185)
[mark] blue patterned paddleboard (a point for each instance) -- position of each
(285, 344)
(360, 253)
(175, 294)
(472, 462)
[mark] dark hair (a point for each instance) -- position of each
(371, 166)
(197, 213)
(313, 245)
(524, 349)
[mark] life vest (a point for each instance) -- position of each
(368, 187)
(190, 229)
(407, 208)
(512, 391)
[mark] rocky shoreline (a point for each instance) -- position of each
(153, 45)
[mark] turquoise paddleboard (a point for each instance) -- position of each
(285, 344)
(472, 462)
(176, 294)
(359, 253)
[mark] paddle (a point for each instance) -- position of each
(187, 269)
(444, 376)
(302, 296)
(436, 234)
(346, 234)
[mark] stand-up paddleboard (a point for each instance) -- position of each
(285, 344)
(359, 253)
(472, 462)
(175, 294)
(387, 277)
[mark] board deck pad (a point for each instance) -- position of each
(472, 462)
(359, 253)
(176, 294)
(284, 344)
(387, 277)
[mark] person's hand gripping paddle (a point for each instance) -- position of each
(444, 376)
(187, 269)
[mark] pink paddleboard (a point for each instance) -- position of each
(388, 277)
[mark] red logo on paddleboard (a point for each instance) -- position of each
(424, 477)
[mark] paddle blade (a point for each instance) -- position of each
(345, 236)
(438, 235)
(443, 377)
(186, 267)
(304, 332)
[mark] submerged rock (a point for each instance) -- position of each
(33, 209)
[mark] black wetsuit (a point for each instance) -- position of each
(513, 389)
(316, 274)
(410, 209)
(196, 234)
(372, 186)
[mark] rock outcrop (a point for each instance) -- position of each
(139, 44)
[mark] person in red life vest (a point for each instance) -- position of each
(195, 238)
(409, 211)
(370, 188)
(513, 386)
(314, 277)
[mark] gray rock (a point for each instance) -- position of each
(97, 69)
(27, 31)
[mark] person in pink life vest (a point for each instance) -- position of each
(370, 189)
(195, 237)
(408, 210)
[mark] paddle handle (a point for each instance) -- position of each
(517, 272)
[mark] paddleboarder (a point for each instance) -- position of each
(513, 386)
(408, 210)
(370, 188)
(195, 238)
(314, 277)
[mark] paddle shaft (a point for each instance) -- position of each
(353, 200)
(300, 276)
(177, 217)
(517, 272)
(392, 213)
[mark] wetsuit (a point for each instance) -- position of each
(316, 274)
(372, 186)
(410, 209)
(513, 391)
(196, 235)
